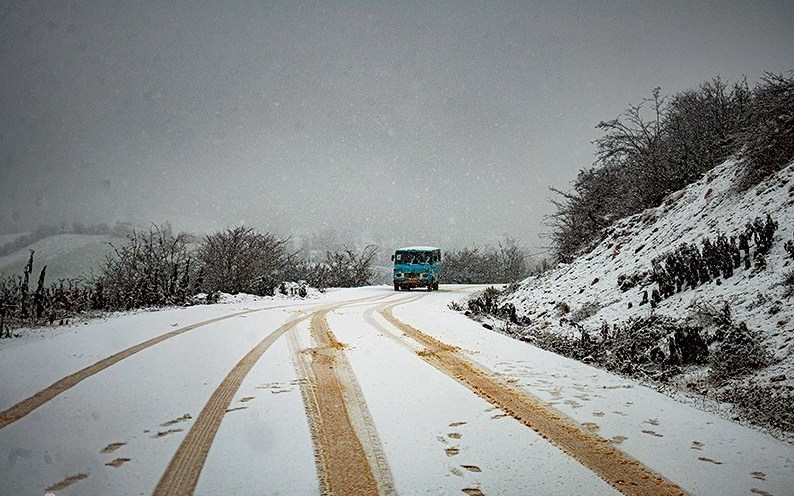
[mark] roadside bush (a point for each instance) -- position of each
(739, 351)
(341, 269)
(761, 402)
(654, 340)
(470, 266)
(653, 347)
(475, 265)
(59, 302)
(153, 268)
(241, 259)
(348, 269)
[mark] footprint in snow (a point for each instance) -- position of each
(112, 447)
(652, 433)
(117, 462)
(165, 433)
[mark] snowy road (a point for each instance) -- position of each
(361, 391)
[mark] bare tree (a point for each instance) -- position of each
(512, 260)
(241, 259)
(768, 139)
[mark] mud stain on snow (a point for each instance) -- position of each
(236, 408)
(66, 482)
(472, 491)
(472, 468)
(709, 460)
(117, 462)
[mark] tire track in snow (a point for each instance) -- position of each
(622, 472)
(181, 476)
(183, 471)
(26, 406)
(348, 452)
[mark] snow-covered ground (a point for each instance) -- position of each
(438, 437)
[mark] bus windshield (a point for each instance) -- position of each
(413, 257)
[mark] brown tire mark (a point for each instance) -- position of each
(619, 470)
(348, 452)
(26, 406)
(183, 471)
(182, 474)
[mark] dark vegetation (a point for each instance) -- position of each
(689, 266)
(665, 143)
(665, 351)
(505, 264)
(156, 267)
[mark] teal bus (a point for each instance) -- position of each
(417, 267)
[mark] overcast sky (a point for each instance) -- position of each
(418, 122)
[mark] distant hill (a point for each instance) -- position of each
(10, 238)
(65, 255)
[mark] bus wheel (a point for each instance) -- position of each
(396, 287)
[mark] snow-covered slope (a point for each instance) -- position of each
(65, 255)
(707, 208)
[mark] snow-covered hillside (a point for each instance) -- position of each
(587, 290)
(65, 255)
